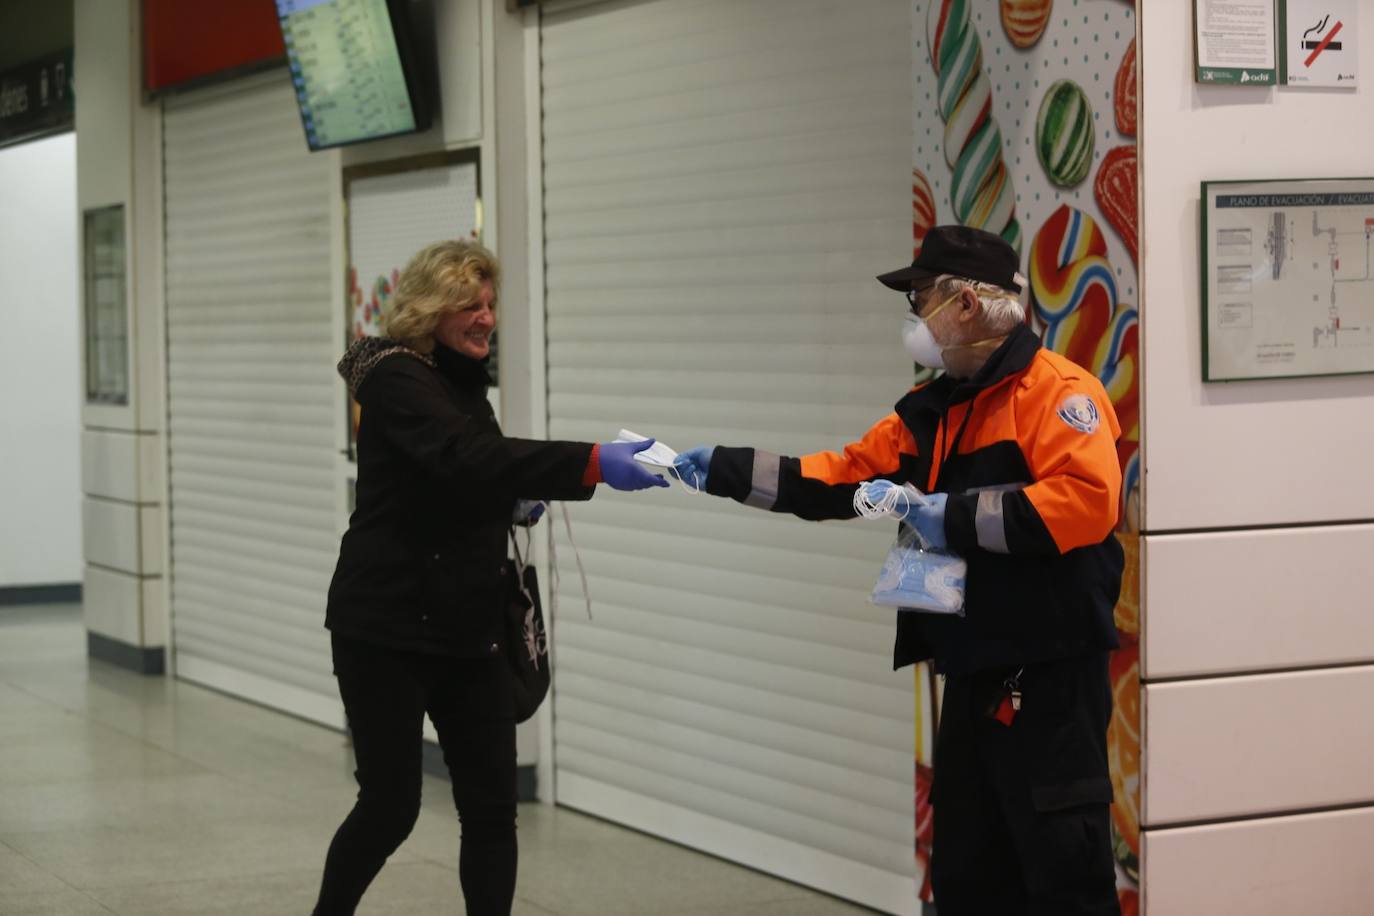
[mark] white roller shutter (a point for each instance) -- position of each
(251, 410)
(722, 181)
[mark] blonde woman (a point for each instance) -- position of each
(415, 606)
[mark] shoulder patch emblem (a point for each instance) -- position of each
(1079, 411)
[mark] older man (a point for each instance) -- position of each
(1015, 446)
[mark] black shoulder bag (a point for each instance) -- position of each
(527, 643)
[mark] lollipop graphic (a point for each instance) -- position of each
(982, 194)
(922, 210)
(1073, 290)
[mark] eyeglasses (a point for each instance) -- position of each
(914, 295)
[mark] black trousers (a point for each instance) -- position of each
(1022, 824)
(386, 694)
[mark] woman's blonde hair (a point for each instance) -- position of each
(443, 277)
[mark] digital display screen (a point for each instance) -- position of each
(347, 71)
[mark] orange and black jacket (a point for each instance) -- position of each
(1026, 450)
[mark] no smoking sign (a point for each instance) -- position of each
(1318, 41)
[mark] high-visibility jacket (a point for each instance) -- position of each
(1026, 451)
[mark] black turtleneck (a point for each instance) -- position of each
(461, 370)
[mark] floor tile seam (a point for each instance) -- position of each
(128, 732)
(206, 768)
(86, 825)
(235, 824)
(102, 904)
(254, 788)
(541, 907)
(90, 890)
(46, 701)
(143, 739)
(788, 898)
(26, 897)
(54, 875)
(85, 715)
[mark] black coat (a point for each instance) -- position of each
(421, 566)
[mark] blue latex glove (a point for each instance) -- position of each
(929, 520)
(693, 465)
(620, 470)
(528, 512)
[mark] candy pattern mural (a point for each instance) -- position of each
(1025, 124)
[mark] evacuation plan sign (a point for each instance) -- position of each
(1288, 278)
(1318, 43)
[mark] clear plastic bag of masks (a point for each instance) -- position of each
(919, 579)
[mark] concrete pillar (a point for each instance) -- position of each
(123, 442)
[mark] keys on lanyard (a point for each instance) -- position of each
(1010, 704)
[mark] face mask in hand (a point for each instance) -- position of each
(920, 343)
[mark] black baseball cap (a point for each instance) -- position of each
(961, 251)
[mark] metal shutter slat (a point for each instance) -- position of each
(251, 397)
(721, 183)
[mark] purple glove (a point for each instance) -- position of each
(528, 512)
(620, 470)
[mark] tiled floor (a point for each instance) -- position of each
(144, 796)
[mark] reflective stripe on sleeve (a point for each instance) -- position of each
(988, 522)
(767, 468)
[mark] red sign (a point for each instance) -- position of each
(188, 40)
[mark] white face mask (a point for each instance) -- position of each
(920, 343)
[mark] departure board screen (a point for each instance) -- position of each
(347, 70)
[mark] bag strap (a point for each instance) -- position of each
(553, 563)
(520, 563)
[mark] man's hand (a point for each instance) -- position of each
(929, 520)
(693, 465)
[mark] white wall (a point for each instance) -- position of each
(1257, 578)
(40, 374)
(1239, 453)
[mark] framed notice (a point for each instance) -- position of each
(1235, 42)
(105, 302)
(1318, 43)
(1287, 278)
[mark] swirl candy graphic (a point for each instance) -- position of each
(1064, 134)
(1024, 21)
(1123, 754)
(922, 219)
(982, 194)
(1073, 291)
(922, 210)
(925, 826)
(1069, 268)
